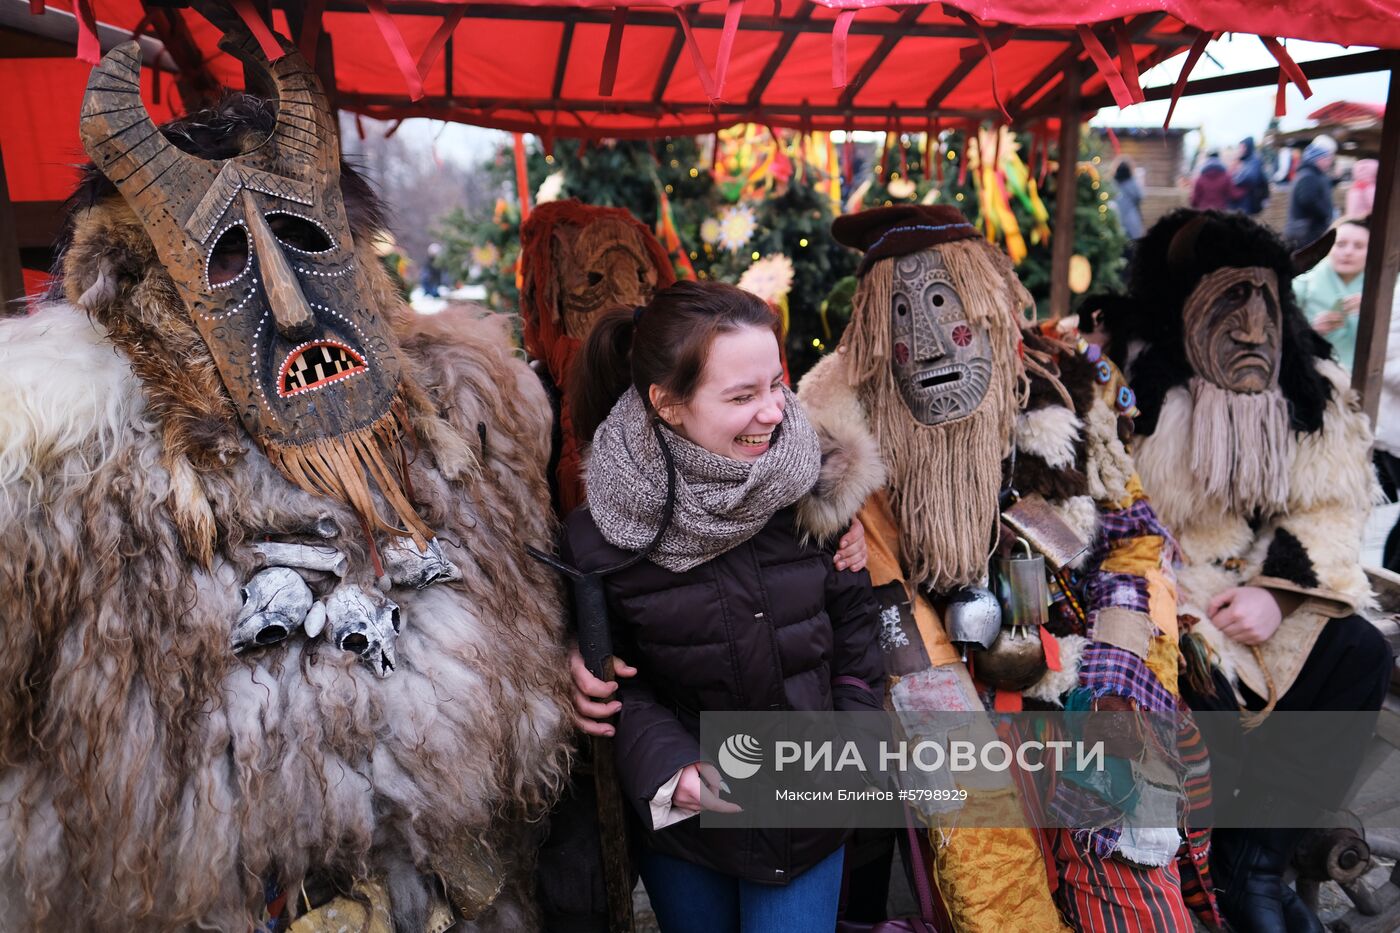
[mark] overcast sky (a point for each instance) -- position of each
(1227, 117)
(1223, 119)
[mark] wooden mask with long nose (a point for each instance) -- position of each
(260, 250)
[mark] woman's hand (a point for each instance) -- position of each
(1247, 614)
(699, 789)
(1328, 321)
(591, 704)
(851, 553)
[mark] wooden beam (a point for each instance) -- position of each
(37, 223)
(194, 82)
(960, 71)
(391, 106)
(449, 65)
(643, 17)
(1382, 257)
(59, 26)
(668, 65)
(770, 67)
(1335, 67)
(877, 57)
(16, 44)
(561, 61)
(1138, 28)
(1066, 193)
(11, 270)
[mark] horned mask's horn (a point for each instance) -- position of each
(304, 142)
(122, 139)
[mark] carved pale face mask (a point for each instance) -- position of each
(260, 250)
(942, 361)
(1233, 329)
(600, 266)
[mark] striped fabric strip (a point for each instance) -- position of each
(1109, 895)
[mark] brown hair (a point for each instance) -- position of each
(664, 342)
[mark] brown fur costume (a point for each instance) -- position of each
(579, 261)
(151, 779)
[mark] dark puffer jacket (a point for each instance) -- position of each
(767, 625)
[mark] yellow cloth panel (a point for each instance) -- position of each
(1136, 556)
(1161, 602)
(993, 880)
(1163, 656)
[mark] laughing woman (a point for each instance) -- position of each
(701, 454)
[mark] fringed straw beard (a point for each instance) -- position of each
(1241, 447)
(341, 467)
(944, 480)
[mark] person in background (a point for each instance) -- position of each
(431, 276)
(1310, 209)
(1330, 292)
(1213, 189)
(1128, 201)
(1362, 193)
(1251, 181)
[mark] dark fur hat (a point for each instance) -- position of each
(1158, 286)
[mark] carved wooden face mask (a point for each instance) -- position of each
(260, 250)
(1233, 329)
(602, 265)
(942, 361)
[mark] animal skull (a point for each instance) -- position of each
(365, 625)
(275, 602)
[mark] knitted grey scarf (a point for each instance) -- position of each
(720, 502)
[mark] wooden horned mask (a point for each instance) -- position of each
(260, 249)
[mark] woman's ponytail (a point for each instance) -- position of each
(602, 371)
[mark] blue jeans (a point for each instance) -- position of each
(688, 898)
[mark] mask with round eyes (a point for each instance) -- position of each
(260, 250)
(1233, 329)
(259, 247)
(601, 265)
(942, 362)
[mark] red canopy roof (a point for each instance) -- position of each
(667, 67)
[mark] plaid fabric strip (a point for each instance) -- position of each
(1107, 670)
(1122, 590)
(1073, 806)
(1108, 895)
(1136, 521)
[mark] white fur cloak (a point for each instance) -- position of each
(1310, 547)
(148, 777)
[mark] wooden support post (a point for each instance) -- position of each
(11, 272)
(1066, 193)
(1382, 258)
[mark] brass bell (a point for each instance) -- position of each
(973, 617)
(1015, 661)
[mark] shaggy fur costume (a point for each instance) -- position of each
(151, 779)
(1307, 540)
(553, 256)
(1311, 545)
(1068, 441)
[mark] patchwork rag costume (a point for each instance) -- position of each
(1257, 457)
(579, 261)
(273, 648)
(932, 378)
